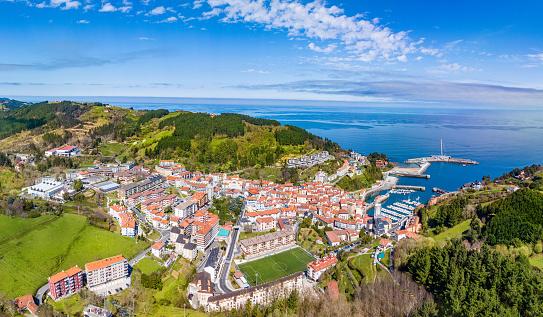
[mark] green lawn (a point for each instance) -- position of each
(386, 259)
(365, 263)
(537, 261)
(276, 266)
(454, 232)
(113, 149)
(10, 226)
(247, 235)
(148, 266)
(30, 258)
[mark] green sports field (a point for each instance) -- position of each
(276, 266)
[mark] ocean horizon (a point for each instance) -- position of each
(499, 139)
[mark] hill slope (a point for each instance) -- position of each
(225, 142)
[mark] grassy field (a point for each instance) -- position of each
(11, 226)
(537, 261)
(148, 266)
(365, 263)
(247, 235)
(10, 179)
(276, 266)
(29, 258)
(386, 259)
(453, 232)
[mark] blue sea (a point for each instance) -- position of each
(500, 140)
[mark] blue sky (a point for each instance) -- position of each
(481, 53)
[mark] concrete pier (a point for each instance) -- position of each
(419, 188)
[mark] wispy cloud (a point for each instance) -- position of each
(108, 7)
(328, 49)
(80, 60)
(157, 11)
(169, 20)
(314, 20)
(255, 71)
(451, 68)
(83, 22)
(63, 4)
(422, 91)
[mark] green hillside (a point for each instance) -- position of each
(225, 142)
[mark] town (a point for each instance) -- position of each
(257, 254)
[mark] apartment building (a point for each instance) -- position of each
(267, 242)
(265, 223)
(316, 268)
(150, 194)
(130, 189)
(103, 272)
(66, 283)
(257, 295)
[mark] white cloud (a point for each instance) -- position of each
(127, 3)
(451, 68)
(212, 13)
(88, 7)
(402, 58)
(169, 20)
(158, 11)
(143, 38)
(418, 59)
(108, 8)
(315, 20)
(83, 22)
(197, 4)
(536, 57)
(63, 4)
(328, 49)
(255, 71)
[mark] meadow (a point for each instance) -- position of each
(30, 257)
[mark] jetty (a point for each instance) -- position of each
(442, 158)
(419, 188)
(439, 191)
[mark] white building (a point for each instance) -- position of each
(316, 268)
(106, 272)
(46, 188)
(261, 294)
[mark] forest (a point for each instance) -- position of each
(519, 215)
(478, 282)
(63, 114)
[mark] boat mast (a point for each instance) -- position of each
(441, 146)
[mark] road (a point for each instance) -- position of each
(223, 278)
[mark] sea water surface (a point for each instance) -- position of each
(500, 140)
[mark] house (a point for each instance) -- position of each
(337, 236)
(94, 311)
(316, 268)
(265, 223)
(26, 303)
(200, 290)
(513, 188)
(158, 248)
(65, 283)
(385, 243)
